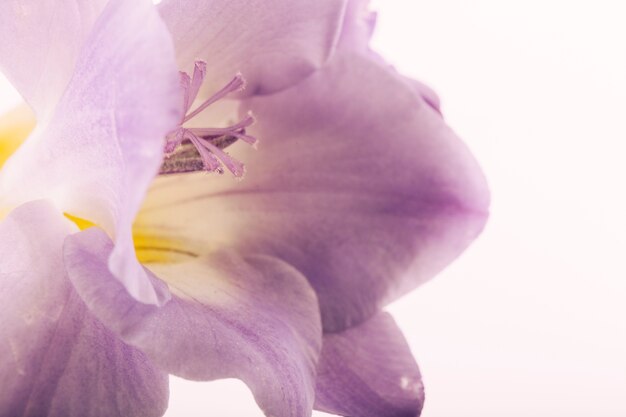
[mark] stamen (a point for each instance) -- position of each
(247, 138)
(174, 142)
(185, 84)
(219, 131)
(185, 160)
(232, 164)
(236, 84)
(208, 142)
(199, 72)
(211, 163)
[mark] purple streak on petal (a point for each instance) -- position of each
(252, 318)
(369, 371)
(273, 43)
(390, 193)
(427, 93)
(56, 359)
(39, 45)
(104, 144)
(359, 184)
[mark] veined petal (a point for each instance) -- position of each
(252, 318)
(369, 371)
(39, 45)
(273, 43)
(56, 359)
(104, 144)
(358, 183)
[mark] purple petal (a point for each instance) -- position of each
(273, 43)
(40, 43)
(56, 359)
(427, 93)
(358, 26)
(369, 371)
(357, 182)
(103, 146)
(252, 318)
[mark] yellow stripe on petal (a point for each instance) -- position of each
(15, 126)
(81, 223)
(152, 247)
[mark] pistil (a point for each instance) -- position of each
(195, 149)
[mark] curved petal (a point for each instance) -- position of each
(40, 43)
(104, 144)
(56, 359)
(356, 33)
(273, 43)
(358, 26)
(357, 183)
(427, 93)
(369, 371)
(252, 318)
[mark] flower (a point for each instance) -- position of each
(358, 193)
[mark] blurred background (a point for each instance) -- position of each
(530, 321)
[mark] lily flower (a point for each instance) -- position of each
(357, 193)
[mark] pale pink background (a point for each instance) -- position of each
(530, 321)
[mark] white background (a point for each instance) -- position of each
(530, 321)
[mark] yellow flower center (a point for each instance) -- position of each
(150, 246)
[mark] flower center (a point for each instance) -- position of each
(196, 149)
(151, 246)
